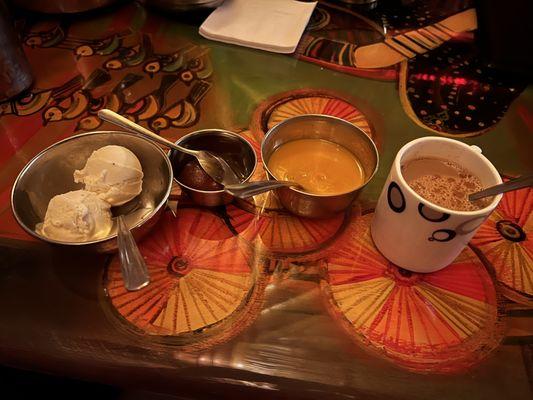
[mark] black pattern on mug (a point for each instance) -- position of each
(432, 215)
(395, 198)
(470, 226)
(442, 235)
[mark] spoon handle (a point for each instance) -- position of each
(514, 184)
(132, 263)
(119, 120)
(245, 190)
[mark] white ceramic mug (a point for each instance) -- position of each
(416, 234)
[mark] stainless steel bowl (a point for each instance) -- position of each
(49, 173)
(336, 130)
(236, 150)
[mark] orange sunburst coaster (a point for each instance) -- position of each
(505, 241)
(270, 230)
(282, 235)
(205, 288)
(307, 101)
(442, 322)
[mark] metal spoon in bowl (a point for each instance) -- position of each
(514, 184)
(245, 190)
(216, 167)
(134, 271)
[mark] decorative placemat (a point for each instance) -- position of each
(306, 101)
(505, 243)
(205, 286)
(281, 235)
(398, 17)
(441, 322)
(332, 35)
(113, 67)
(271, 231)
(449, 91)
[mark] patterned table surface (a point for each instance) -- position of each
(247, 298)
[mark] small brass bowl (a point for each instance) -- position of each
(50, 173)
(237, 152)
(332, 129)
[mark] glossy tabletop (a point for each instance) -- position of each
(248, 299)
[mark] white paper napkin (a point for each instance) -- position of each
(272, 25)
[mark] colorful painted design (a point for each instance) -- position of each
(143, 109)
(298, 102)
(58, 37)
(130, 56)
(332, 35)
(440, 322)
(201, 278)
(189, 59)
(35, 101)
(75, 99)
(450, 92)
(185, 112)
(52, 37)
(399, 17)
(319, 19)
(505, 242)
(281, 235)
(78, 102)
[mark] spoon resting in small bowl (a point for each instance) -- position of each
(216, 167)
(213, 165)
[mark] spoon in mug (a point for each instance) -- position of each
(514, 184)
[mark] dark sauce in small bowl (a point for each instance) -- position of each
(238, 155)
(193, 176)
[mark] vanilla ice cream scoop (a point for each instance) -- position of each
(76, 216)
(114, 173)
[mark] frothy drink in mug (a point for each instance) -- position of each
(423, 219)
(444, 183)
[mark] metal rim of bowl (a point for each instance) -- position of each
(272, 130)
(226, 133)
(42, 152)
